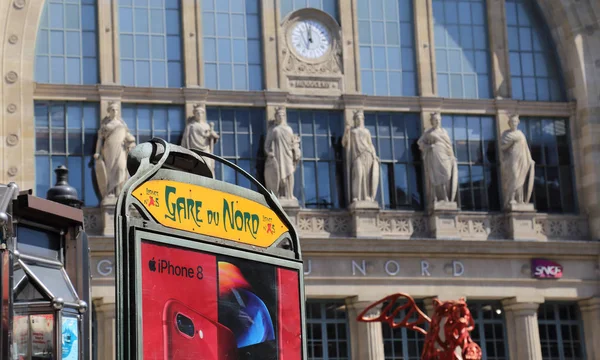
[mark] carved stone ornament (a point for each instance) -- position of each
(19, 4)
(518, 168)
(11, 77)
(283, 154)
(114, 143)
(11, 108)
(12, 139)
(200, 135)
(362, 162)
(13, 39)
(311, 44)
(12, 171)
(440, 164)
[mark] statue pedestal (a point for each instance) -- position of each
(291, 208)
(364, 219)
(107, 207)
(521, 222)
(443, 220)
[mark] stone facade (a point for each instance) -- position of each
(361, 255)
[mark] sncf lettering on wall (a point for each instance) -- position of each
(546, 269)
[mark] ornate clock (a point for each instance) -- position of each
(310, 39)
(311, 52)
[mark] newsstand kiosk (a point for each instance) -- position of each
(206, 270)
(45, 275)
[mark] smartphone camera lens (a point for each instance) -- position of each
(185, 325)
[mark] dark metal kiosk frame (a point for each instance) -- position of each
(44, 274)
(158, 160)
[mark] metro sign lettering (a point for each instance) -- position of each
(546, 269)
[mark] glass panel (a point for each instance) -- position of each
(393, 56)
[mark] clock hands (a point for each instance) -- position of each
(310, 34)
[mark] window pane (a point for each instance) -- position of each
(62, 36)
(153, 44)
(233, 59)
(549, 146)
(474, 146)
(386, 48)
(531, 54)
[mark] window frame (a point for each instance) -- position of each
(491, 166)
(558, 323)
(404, 337)
(476, 308)
(411, 161)
(323, 320)
(337, 192)
(525, 123)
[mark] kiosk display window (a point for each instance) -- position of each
(199, 305)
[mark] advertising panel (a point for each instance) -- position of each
(70, 338)
(207, 306)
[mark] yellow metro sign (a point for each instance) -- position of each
(210, 212)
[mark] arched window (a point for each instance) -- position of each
(232, 45)
(534, 69)
(387, 47)
(66, 50)
(150, 43)
(328, 6)
(462, 49)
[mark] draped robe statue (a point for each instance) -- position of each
(517, 166)
(362, 160)
(200, 135)
(283, 154)
(439, 161)
(113, 144)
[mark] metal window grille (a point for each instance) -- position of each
(534, 66)
(401, 343)
(395, 137)
(490, 329)
(327, 330)
(66, 50)
(150, 43)
(319, 181)
(548, 141)
(328, 6)
(560, 329)
(232, 44)
(462, 51)
(65, 134)
(242, 136)
(387, 47)
(474, 140)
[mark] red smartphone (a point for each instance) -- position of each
(189, 335)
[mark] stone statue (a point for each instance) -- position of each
(283, 154)
(517, 166)
(114, 143)
(439, 161)
(200, 135)
(362, 160)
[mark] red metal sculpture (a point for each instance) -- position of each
(448, 336)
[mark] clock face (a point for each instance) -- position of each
(310, 39)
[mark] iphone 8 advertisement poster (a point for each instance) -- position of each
(203, 306)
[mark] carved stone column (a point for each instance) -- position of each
(590, 313)
(105, 314)
(496, 14)
(522, 330)
(366, 338)
(425, 47)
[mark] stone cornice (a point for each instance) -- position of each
(332, 101)
(493, 248)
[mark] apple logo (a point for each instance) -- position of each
(152, 265)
